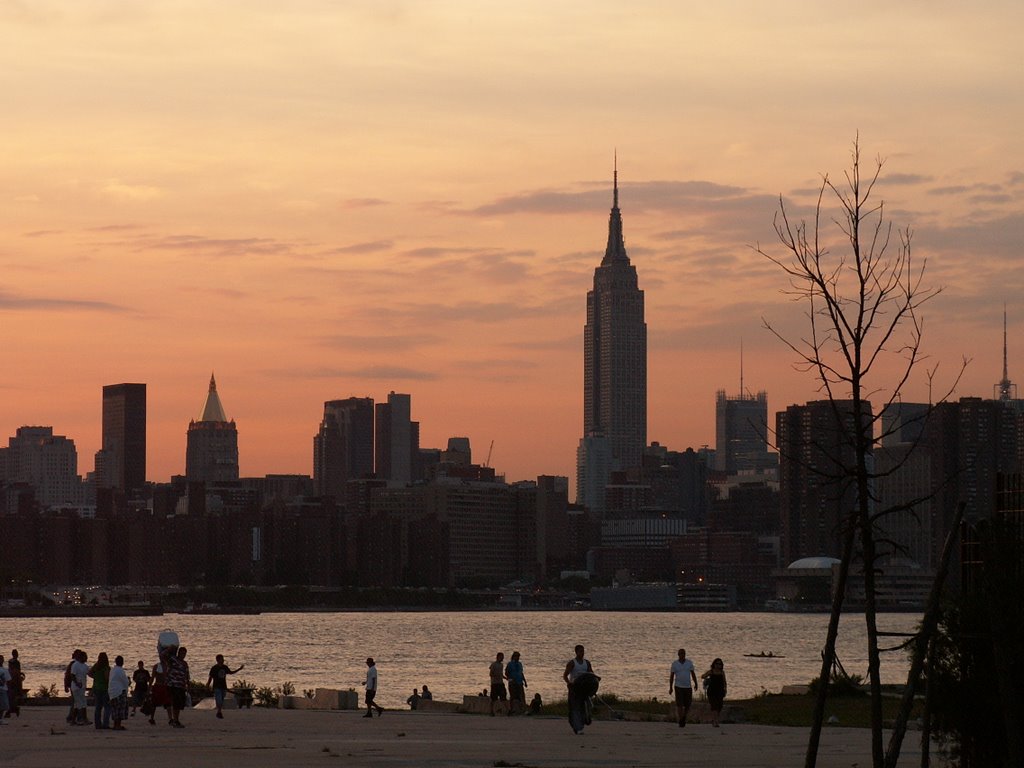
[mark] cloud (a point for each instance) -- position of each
(115, 228)
(362, 202)
(955, 189)
(637, 197)
(239, 246)
(467, 312)
(122, 191)
(902, 179)
(502, 370)
(573, 343)
(43, 233)
(959, 189)
(991, 198)
(376, 372)
(368, 247)
(383, 343)
(432, 252)
(999, 236)
(29, 303)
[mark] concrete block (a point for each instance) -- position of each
(477, 705)
(294, 702)
(432, 705)
(326, 698)
(331, 698)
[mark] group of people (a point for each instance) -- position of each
(514, 696)
(414, 700)
(166, 685)
(680, 676)
(12, 685)
(110, 687)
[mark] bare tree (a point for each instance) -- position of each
(861, 304)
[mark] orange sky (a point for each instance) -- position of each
(318, 199)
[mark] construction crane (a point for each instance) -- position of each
(489, 452)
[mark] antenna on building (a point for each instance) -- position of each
(1006, 372)
(741, 366)
(615, 178)
(1005, 390)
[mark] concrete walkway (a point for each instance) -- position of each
(261, 738)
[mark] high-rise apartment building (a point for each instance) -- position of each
(816, 492)
(211, 453)
(741, 433)
(615, 352)
(121, 462)
(398, 441)
(343, 448)
(46, 462)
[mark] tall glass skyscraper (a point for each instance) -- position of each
(615, 355)
(123, 455)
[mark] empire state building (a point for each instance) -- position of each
(614, 369)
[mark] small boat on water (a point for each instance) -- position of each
(763, 655)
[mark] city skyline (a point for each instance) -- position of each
(322, 203)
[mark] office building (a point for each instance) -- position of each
(398, 441)
(741, 433)
(343, 447)
(211, 454)
(123, 461)
(615, 352)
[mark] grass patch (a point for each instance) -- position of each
(651, 707)
(852, 711)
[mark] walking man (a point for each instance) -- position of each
(371, 689)
(516, 685)
(15, 686)
(218, 680)
(679, 678)
(582, 684)
(497, 675)
(177, 680)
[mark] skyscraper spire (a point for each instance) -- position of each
(213, 410)
(615, 253)
(615, 180)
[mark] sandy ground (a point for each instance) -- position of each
(259, 737)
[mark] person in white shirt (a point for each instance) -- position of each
(371, 689)
(679, 678)
(79, 673)
(5, 678)
(580, 678)
(117, 690)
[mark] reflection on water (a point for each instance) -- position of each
(450, 651)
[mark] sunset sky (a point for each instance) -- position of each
(318, 200)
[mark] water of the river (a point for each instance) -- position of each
(451, 651)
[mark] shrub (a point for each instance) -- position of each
(266, 696)
(840, 685)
